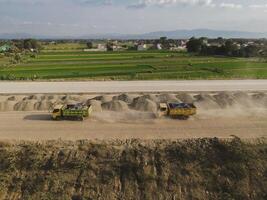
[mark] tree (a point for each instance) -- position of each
(194, 45)
(89, 45)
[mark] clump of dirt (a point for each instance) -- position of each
(116, 105)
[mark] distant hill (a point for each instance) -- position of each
(176, 34)
(183, 34)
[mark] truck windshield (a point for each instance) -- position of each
(56, 111)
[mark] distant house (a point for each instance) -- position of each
(5, 48)
(142, 47)
(100, 47)
(159, 46)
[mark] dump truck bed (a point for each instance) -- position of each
(77, 110)
(181, 109)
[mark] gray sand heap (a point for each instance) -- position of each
(224, 99)
(116, 105)
(144, 104)
(7, 105)
(205, 101)
(44, 105)
(260, 98)
(185, 98)
(103, 99)
(243, 99)
(125, 97)
(26, 105)
(164, 98)
(96, 105)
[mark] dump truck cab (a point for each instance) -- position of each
(57, 112)
(178, 110)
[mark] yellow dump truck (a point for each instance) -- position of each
(178, 110)
(71, 111)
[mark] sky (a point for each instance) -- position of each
(85, 17)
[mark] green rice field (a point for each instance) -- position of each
(133, 65)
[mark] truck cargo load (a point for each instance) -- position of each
(178, 110)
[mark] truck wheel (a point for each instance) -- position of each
(80, 118)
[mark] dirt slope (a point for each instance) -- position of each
(207, 169)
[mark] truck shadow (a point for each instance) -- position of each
(38, 117)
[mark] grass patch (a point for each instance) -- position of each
(133, 65)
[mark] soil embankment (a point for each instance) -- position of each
(134, 169)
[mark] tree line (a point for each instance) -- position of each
(225, 47)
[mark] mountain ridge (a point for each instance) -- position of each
(173, 34)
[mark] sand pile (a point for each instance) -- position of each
(260, 99)
(139, 102)
(125, 97)
(224, 99)
(116, 105)
(205, 101)
(163, 98)
(103, 99)
(185, 97)
(12, 98)
(44, 105)
(26, 105)
(144, 104)
(7, 105)
(96, 105)
(243, 99)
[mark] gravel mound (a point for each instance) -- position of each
(116, 105)
(224, 99)
(205, 101)
(243, 99)
(103, 99)
(43, 105)
(163, 98)
(260, 98)
(96, 105)
(185, 98)
(146, 105)
(26, 105)
(7, 105)
(124, 97)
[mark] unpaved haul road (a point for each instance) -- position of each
(38, 126)
(132, 86)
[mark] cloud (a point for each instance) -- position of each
(258, 6)
(93, 2)
(231, 5)
(145, 3)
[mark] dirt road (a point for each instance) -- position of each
(132, 86)
(38, 126)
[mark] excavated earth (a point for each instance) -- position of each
(123, 116)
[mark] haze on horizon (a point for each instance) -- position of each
(83, 17)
